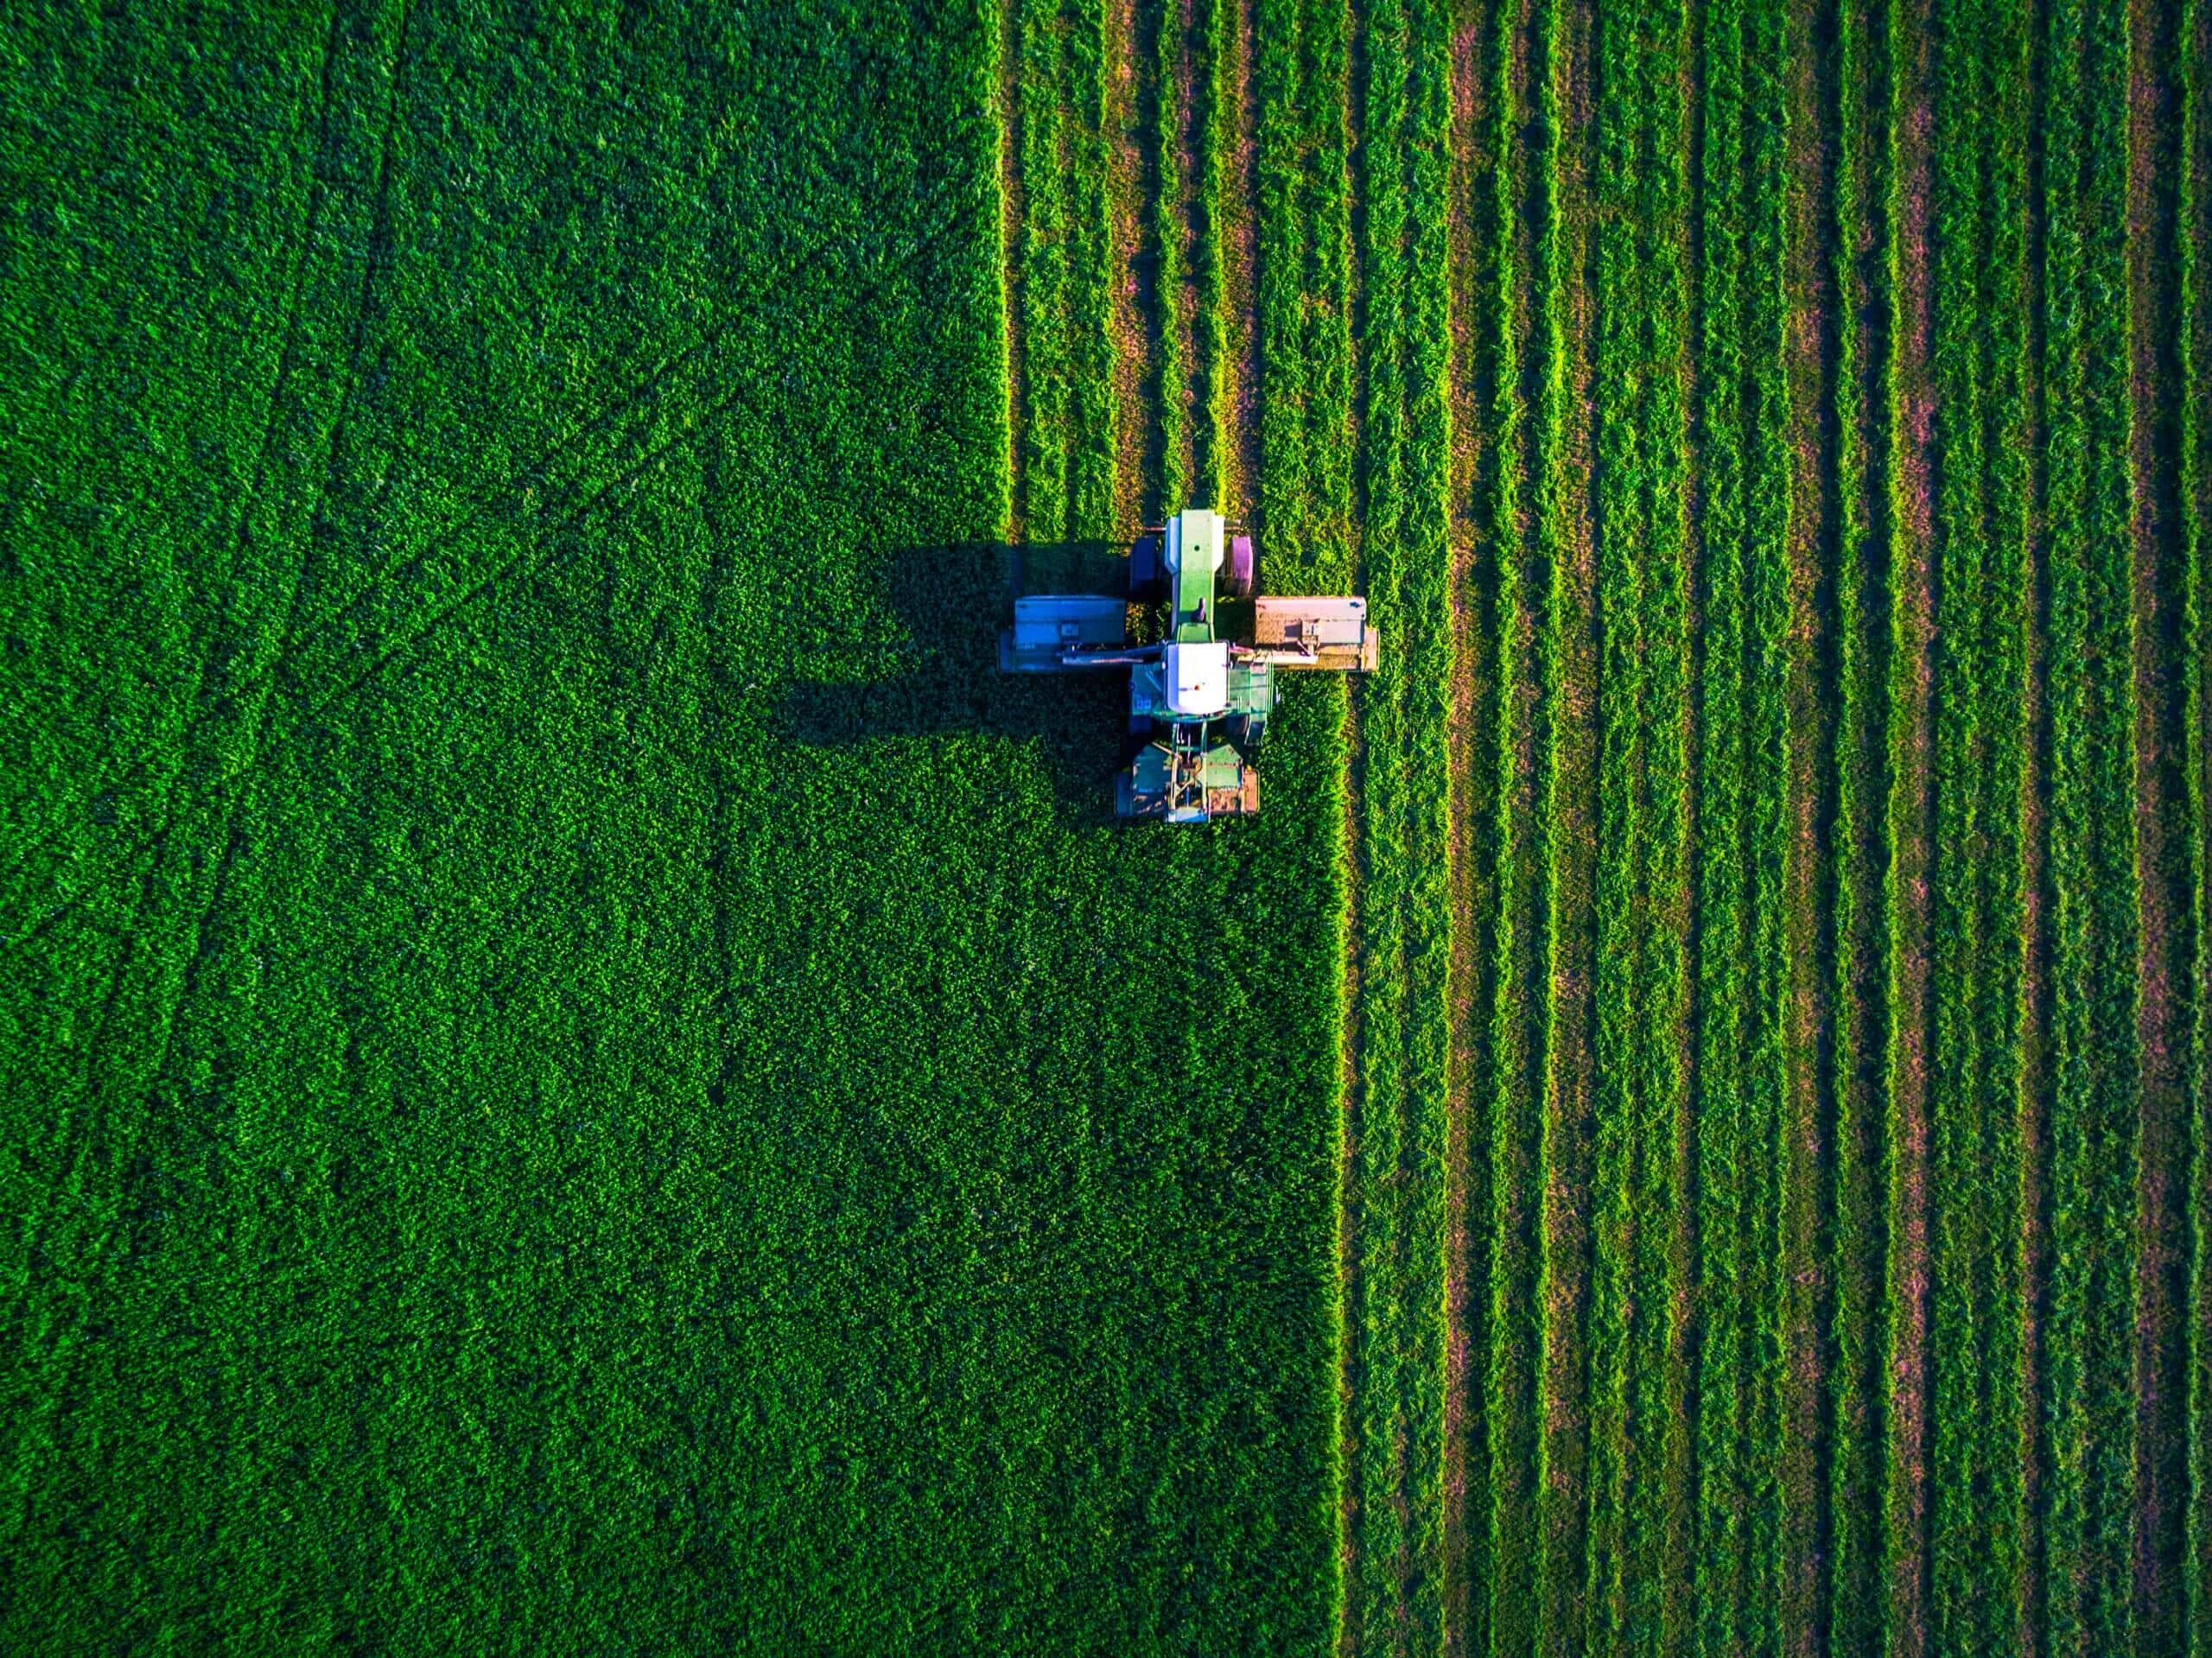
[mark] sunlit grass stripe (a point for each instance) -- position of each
(1861, 232)
(1509, 1396)
(1383, 1557)
(1213, 49)
(1051, 358)
(1809, 317)
(1304, 499)
(2159, 857)
(1471, 734)
(1094, 414)
(1305, 291)
(1173, 370)
(1998, 850)
(2092, 875)
(1660, 1517)
(1567, 539)
(1723, 880)
(1914, 541)
(1620, 921)
(1962, 1614)
(1404, 900)
(1766, 465)
(1425, 603)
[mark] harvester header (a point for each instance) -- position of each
(1199, 696)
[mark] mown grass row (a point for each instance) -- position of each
(1504, 1568)
(1405, 916)
(2089, 1575)
(1567, 546)
(1727, 1102)
(1303, 495)
(1070, 445)
(1806, 669)
(1175, 367)
(1977, 1515)
(1861, 585)
(1913, 486)
(1228, 303)
(1767, 737)
(1637, 1586)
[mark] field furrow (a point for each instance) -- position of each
(1857, 1573)
(2161, 820)
(2194, 259)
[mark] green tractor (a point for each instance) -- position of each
(1200, 697)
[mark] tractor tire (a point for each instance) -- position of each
(1148, 577)
(1237, 570)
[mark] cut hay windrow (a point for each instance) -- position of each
(1912, 483)
(1636, 1597)
(2159, 707)
(1856, 1574)
(1402, 117)
(2089, 1573)
(1471, 298)
(1976, 1511)
(1567, 543)
(1506, 1576)
(1726, 1014)
(1807, 665)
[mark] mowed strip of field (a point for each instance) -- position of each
(1770, 1183)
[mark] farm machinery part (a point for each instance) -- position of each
(1200, 697)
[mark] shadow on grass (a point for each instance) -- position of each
(950, 603)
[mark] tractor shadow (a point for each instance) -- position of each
(949, 604)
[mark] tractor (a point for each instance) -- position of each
(1200, 695)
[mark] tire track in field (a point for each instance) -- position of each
(364, 626)
(2196, 238)
(58, 1365)
(205, 709)
(2155, 387)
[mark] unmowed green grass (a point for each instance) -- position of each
(578, 1066)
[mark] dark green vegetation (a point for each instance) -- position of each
(574, 1066)
(576, 1078)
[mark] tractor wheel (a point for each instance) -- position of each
(1238, 572)
(1147, 579)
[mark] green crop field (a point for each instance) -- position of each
(580, 1073)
